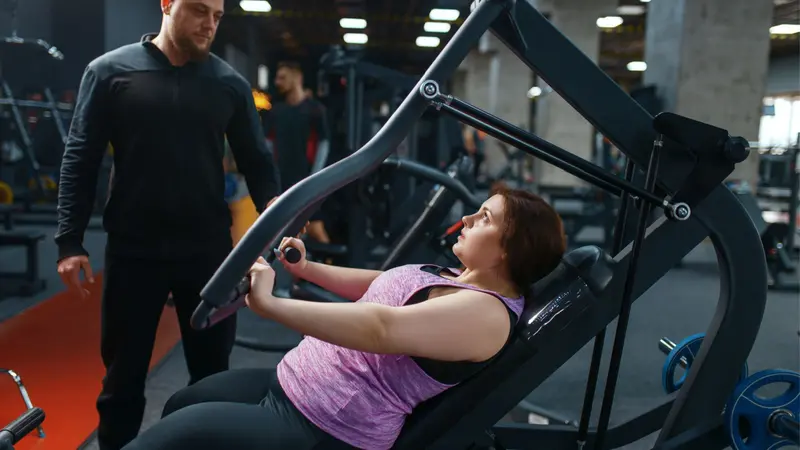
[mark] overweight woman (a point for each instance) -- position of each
(410, 334)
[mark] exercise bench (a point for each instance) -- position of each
(29, 282)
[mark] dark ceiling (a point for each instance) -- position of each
(305, 29)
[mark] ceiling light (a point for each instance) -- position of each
(785, 28)
(437, 27)
(609, 22)
(630, 10)
(355, 38)
(428, 41)
(255, 5)
(446, 15)
(353, 24)
(534, 92)
(637, 66)
(645, 1)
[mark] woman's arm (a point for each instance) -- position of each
(465, 326)
(345, 282)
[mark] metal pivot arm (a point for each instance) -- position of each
(530, 143)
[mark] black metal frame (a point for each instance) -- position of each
(715, 213)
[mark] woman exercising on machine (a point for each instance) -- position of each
(410, 334)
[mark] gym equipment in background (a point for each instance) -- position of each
(686, 162)
(682, 355)
(351, 88)
(754, 421)
(16, 51)
(781, 263)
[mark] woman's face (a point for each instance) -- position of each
(479, 245)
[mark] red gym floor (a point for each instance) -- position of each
(60, 365)
(55, 347)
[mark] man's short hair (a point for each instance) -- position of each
(290, 65)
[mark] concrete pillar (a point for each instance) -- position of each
(556, 120)
(709, 61)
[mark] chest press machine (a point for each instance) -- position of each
(675, 164)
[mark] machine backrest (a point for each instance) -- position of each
(557, 300)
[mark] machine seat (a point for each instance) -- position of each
(558, 300)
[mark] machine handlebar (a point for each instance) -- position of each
(21, 427)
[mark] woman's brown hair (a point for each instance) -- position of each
(533, 238)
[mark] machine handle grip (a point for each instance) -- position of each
(24, 424)
(205, 316)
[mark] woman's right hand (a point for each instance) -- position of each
(297, 268)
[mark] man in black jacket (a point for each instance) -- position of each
(166, 106)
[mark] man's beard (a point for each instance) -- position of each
(192, 50)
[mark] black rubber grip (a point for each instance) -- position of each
(292, 255)
(25, 423)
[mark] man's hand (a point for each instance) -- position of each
(69, 269)
(303, 231)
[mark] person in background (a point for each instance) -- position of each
(473, 143)
(297, 128)
(166, 105)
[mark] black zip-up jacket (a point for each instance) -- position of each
(167, 126)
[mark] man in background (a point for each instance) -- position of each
(297, 128)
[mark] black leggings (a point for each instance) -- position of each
(234, 410)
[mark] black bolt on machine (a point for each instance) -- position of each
(675, 164)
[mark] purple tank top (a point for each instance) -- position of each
(363, 398)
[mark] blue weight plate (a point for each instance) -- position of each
(745, 406)
(688, 349)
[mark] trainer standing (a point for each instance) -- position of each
(166, 105)
(298, 130)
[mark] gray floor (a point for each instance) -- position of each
(679, 305)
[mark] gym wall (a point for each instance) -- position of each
(127, 21)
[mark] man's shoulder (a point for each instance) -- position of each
(126, 58)
(220, 69)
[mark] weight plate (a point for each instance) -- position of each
(6, 194)
(687, 350)
(746, 408)
(47, 181)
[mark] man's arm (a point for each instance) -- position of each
(253, 157)
(86, 144)
(320, 124)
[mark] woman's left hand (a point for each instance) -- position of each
(262, 282)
